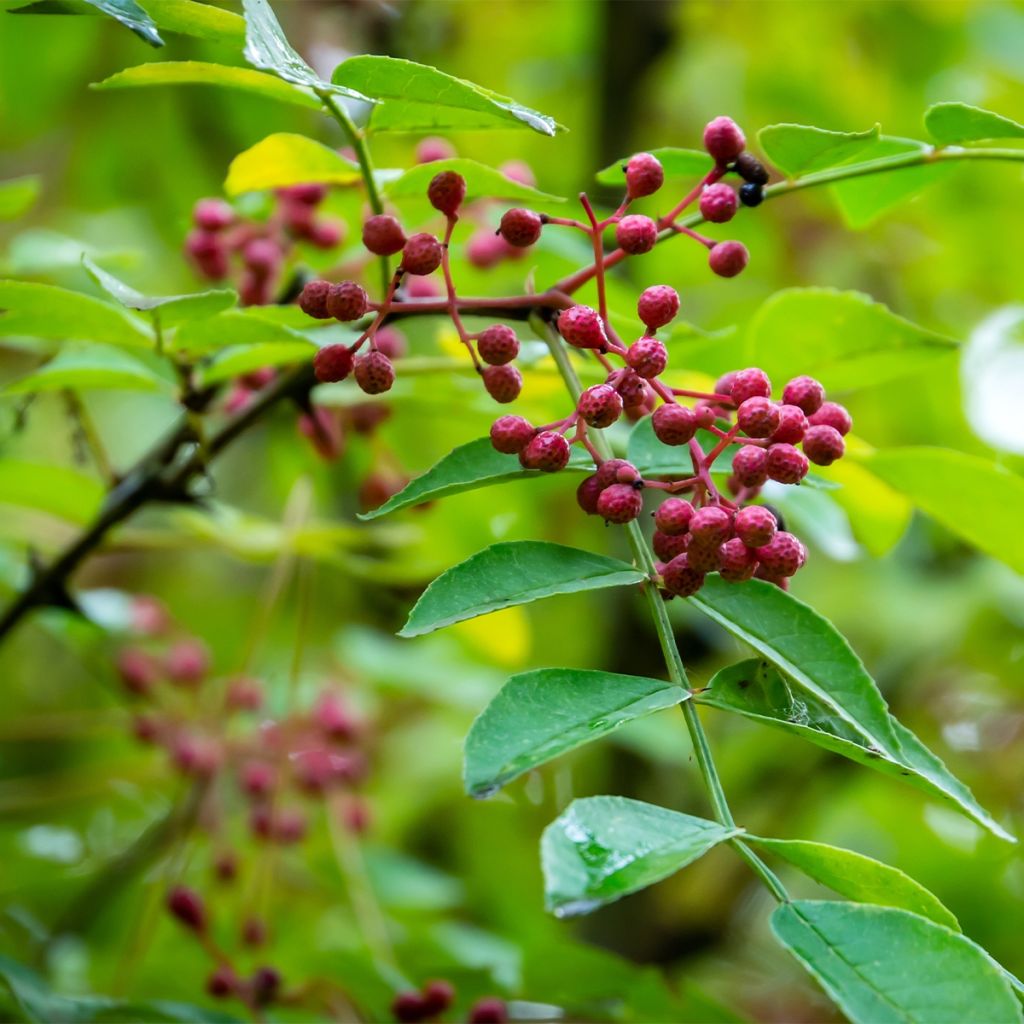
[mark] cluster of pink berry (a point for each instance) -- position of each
(221, 238)
(435, 997)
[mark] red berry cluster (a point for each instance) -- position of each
(437, 996)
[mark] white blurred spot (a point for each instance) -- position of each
(992, 374)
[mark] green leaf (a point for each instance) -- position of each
(542, 714)
(46, 311)
(602, 848)
(238, 359)
(799, 148)
(82, 368)
(886, 966)
(950, 123)
(195, 72)
(976, 499)
(18, 195)
(235, 327)
(512, 573)
(859, 878)
(879, 515)
(466, 468)
(202, 20)
(755, 690)
(57, 490)
(845, 339)
(132, 16)
(481, 182)
(676, 163)
(419, 98)
(652, 458)
(285, 159)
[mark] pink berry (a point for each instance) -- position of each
(582, 327)
(644, 175)
(718, 203)
(422, 254)
(391, 341)
(750, 383)
(187, 662)
(313, 299)
(485, 250)
(520, 228)
(758, 417)
(408, 1008)
(262, 256)
(727, 259)
(244, 694)
(755, 525)
(446, 192)
(832, 414)
(792, 425)
(823, 445)
(704, 555)
(437, 997)
(323, 430)
(488, 1011)
(636, 234)
(600, 405)
(432, 149)
(750, 465)
(498, 344)
(420, 287)
(674, 424)
(667, 546)
(332, 363)
(212, 215)
(736, 561)
(374, 373)
(723, 386)
(209, 254)
(657, 306)
(616, 471)
(723, 140)
(620, 503)
(634, 390)
(588, 492)
(680, 579)
(707, 412)
(805, 393)
(257, 778)
(383, 235)
(786, 464)
(710, 524)
(648, 357)
(138, 670)
(333, 716)
(503, 383)
(511, 434)
(308, 194)
(673, 516)
(347, 301)
(221, 983)
(548, 451)
(326, 234)
(187, 906)
(519, 170)
(254, 289)
(783, 555)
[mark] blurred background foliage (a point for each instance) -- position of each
(940, 627)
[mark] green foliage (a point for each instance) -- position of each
(950, 123)
(83, 367)
(799, 149)
(287, 159)
(481, 181)
(18, 195)
(54, 489)
(685, 164)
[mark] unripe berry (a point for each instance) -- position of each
(548, 451)
(751, 195)
(758, 417)
(600, 405)
(657, 306)
(823, 445)
(634, 390)
(644, 175)
(710, 525)
(754, 525)
(421, 254)
(437, 997)
(616, 471)
(187, 906)
(383, 235)
(805, 393)
(620, 503)
(313, 299)
(723, 140)
(332, 363)
(792, 425)
(832, 414)
(488, 1011)
(736, 562)
(498, 344)
(138, 670)
(374, 373)
(446, 192)
(750, 383)
(582, 327)
(648, 357)
(390, 341)
(520, 227)
(673, 516)
(503, 383)
(749, 168)
(727, 259)
(785, 464)
(347, 301)
(636, 234)
(679, 579)
(674, 424)
(667, 546)
(212, 215)
(783, 555)
(718, 203)
(187, 662)
(588, 492)
(511, 434)
(703, 555)
(432, 149)
(750, 465)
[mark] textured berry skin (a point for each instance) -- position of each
(667, 546)
(644, 175)
(751, 195)
(782, 555)
(750, 465)
(736, 561)
(616, 471)
(313, 299)
(785, 464)
(710, 525)
(581, 327)
(805, 393)
(673, 516)
(548, 452)
(347, 301)
(749, 168)
(588, 492)
(620, 503)
(391, 341)
(723, 140)
(421, 254)
(520, 227)
(432, 149)
(634, 390)
(332, 363)
(758, 417)
(503, 383)
(749, 383)
(600, 405)
(792, 425)
(823, 445)
(374, 373)
(187, 662)
(727, 259)
(383, 235)
(703, 555)
(446, 192)
(187, 906)
(636, 234)
(832, 414)
(718, 203)
(674, 424)
(679, 579)
(511, 434)
(754, 525)
(498, 345)
(657, 306)
(212, 215)
(648, 357)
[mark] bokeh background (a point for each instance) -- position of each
(458, 881)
